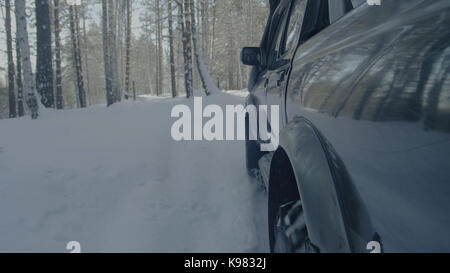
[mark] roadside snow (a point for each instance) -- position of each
(115, 181)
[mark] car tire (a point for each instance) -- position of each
(290, 231)
(287, 226)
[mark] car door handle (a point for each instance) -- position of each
(277, 83)
(274, 84)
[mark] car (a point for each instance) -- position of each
(363, 162)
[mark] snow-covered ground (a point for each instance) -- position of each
(115, 181)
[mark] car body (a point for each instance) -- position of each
(364, 93)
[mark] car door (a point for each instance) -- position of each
(259, 74)
(343, 83)
(276, 24)
(281, 54)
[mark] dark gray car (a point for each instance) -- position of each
(364, 158)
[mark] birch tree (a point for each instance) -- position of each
(20, 106)
(159, 47)
(58, 74)
(207, 83)
(187, 48)
(128, 50)
(171, 50)
(85, 48)
(28, 79)
(11, 67)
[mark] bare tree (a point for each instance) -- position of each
(159, 48)
(85, 48)
(22, 35)
(207, 83)
(112, 39)
(44, 62)
(213, 34)
(76, 55)
(204, 29)
(20, 106)
(186, 12)
(57, 31)
(106, 59)
(183, 43)
(171, 49)
(128, 48)
(11, 67)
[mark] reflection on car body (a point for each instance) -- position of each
(365, 95)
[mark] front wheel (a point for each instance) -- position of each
(290, 232)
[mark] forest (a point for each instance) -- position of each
(73, 54)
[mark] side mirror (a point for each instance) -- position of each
(251, 56)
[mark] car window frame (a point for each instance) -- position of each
(285, 52)
(280, 16)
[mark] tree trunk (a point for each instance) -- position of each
(128, 47)
(112, 20)
(77, 56)
(86, 60)
(57, 30)
(20, 107)
(44, 62)
(159, 49)
(172, 57)
(207, 83)
(83, 95)
(134, 90)
(205, 22)
(22, 35)
(106, 58)
(213, 36)
(11, 67)
(121, 30)
(188, 48)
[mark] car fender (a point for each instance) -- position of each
(336, 218)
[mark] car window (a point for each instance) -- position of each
(316, 19)
(279, 46)
(357, 3)
(295, 25)
(273, 28)
(306, 19)
(338, 8)
(277, 27)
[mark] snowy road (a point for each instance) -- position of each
(115, 181)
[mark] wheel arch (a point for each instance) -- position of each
(335, 215)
